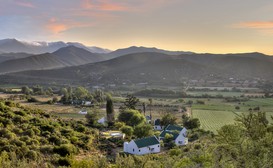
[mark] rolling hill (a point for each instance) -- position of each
(67, 56)
(11, 56)
(134, 49)
(157, 69)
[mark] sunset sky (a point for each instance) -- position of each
(215, 26)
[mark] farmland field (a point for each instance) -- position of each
(213, 120)
(216, 113)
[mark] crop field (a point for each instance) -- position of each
(213, 120)
(214, 93)
(216, 113)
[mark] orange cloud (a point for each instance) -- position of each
(256, 25)
(264, 27)
(103, 5)
(24, 3)
(55, 26)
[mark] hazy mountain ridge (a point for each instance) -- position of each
(39, 47)
(11, 56)
(135, 49)
(158, 68)
(67, 56)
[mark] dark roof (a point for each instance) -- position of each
(174, 133)
(173, 128)
(148, 141)
(157, 122)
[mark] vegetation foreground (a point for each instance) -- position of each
(33, 138)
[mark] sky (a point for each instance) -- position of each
(203, 26)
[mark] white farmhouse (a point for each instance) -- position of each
(142, 146)
(179, 134)
(157, 125)
(102, 121)
(83, 112)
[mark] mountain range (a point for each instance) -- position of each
(74, 63)
(157, 69)
(64, 57)
(39, 47)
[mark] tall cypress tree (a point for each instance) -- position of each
(110, 111)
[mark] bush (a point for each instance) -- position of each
(47, 149)
(64, 162)
(65, 149)
(32, 100)
(32, 155)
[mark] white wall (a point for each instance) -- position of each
(158, 127)
(132, 148)
(182, 139)
(150, 149)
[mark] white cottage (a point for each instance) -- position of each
(157, 125)
(102, 121)
(83, 112)
(179, 134)
(142, 146)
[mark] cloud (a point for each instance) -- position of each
(256, 25)
(103, 5)
(264, 27)
(56, 26)
(24, 3)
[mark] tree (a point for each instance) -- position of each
(191, 123)
(92, 118)
(130, 102)
(131, 117)
(237, 107)
(80, 93)
(247, 143)
(143, 130)
(127, 130)
(26, 90)
(110, 111)
(98, 95)
(168, 119)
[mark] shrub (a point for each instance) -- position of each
(65, 149)
(32, 155)
(64, 162)
(29, 132)
(47, 149)
(32, 100)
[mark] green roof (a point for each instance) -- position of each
(148, 141)
(173, 128)
(174, 133)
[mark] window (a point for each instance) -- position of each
(158, 146)
(139, 150)
(180, 142)
(133, 150)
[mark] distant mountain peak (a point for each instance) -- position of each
(39, 47)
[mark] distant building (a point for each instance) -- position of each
(148, 119)
(157, 125)
(83, 112)
(102, 121)
(142, 146)
(179, 134)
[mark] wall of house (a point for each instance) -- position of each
(150, 149)
(182, 139)
(158, 127)
(130, 147)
